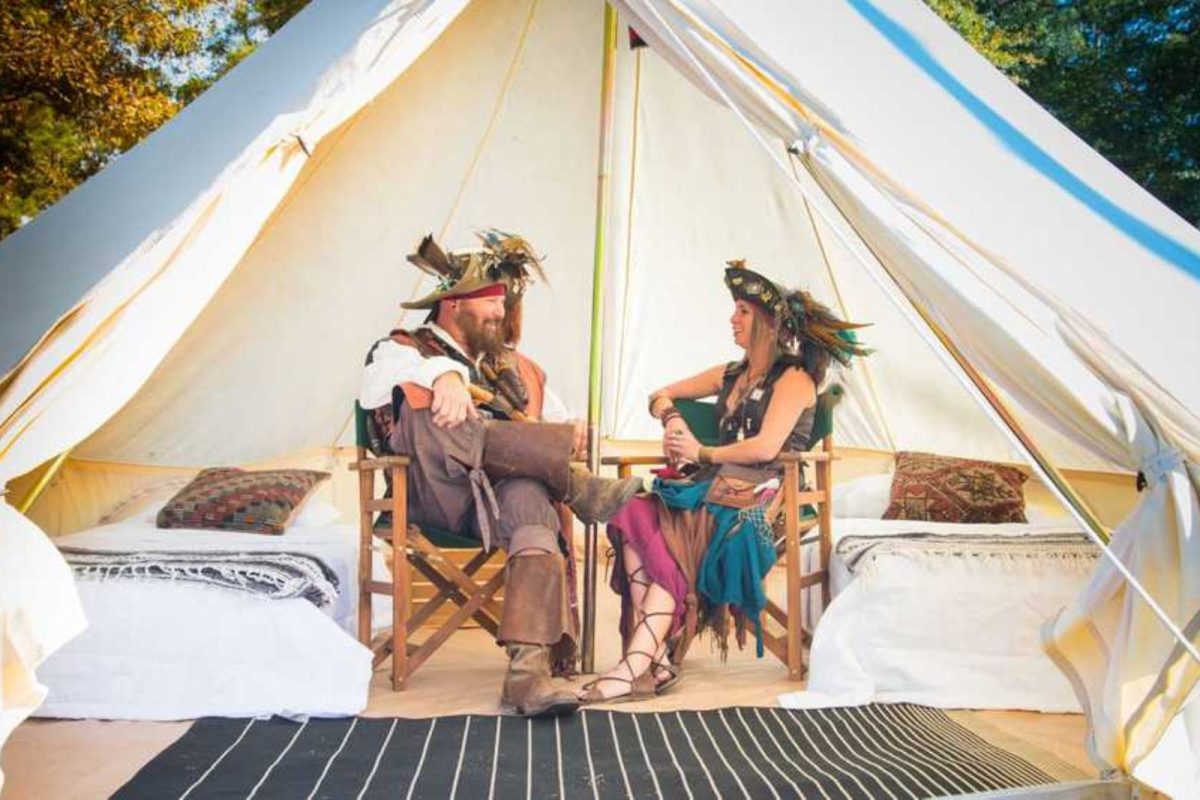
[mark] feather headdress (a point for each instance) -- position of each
(509, 258)
(503, 259)
(800, 318)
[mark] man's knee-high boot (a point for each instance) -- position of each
(542, 451)
(534, 627)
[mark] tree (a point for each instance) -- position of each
(242, 25)
(1122, 74)
(84, 80)
(80, 81)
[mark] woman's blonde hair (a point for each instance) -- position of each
(764, 337)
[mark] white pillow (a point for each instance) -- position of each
(863, 498)
(1036, 515)
(314, 513)
(147, 514)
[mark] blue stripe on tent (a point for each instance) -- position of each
(1025, 148)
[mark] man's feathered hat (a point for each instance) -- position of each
(504, 264)
(800, 319)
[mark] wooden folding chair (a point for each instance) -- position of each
(432, 552)
(801, 510)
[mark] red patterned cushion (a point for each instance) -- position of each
(935, 488)
(227, 499)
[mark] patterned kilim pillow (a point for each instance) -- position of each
(934, 488)
(227, 499)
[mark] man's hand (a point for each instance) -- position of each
(581, 439)
(451, 401)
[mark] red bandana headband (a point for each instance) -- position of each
(495, 290)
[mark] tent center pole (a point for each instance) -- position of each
(603, 180)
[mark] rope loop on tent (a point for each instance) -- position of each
(1159, 465)
(303, 144)
(805, 144)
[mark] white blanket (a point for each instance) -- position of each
(946, 626)
(157, 650)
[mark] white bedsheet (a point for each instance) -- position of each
(158, 650)
(941, 629)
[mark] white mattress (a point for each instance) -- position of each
(945, 626)
(157, 650)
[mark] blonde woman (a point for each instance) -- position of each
(700, 542)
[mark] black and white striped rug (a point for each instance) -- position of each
(879, 751)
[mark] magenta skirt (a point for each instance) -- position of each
(637, 526)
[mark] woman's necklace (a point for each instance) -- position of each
(747, 391)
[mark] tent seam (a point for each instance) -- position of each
(629, 217)
(489, 128)
(887, 429)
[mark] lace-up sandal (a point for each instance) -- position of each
(641, 686)
(674, 672)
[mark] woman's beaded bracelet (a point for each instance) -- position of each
(654, 399)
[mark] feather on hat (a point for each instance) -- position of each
(800, 319)
(503, 259)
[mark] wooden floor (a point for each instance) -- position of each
(88, 759)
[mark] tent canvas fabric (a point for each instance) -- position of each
(208, 297)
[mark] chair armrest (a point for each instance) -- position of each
(810, 456)
(380, 462)
(632, 461)
(807, 456)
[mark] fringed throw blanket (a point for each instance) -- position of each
(272, 575)
(855, 551)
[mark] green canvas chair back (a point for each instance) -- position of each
(701, 417)
(361, 438)
(438, 536)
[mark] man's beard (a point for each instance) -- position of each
(483, 337)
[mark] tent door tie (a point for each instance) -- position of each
(1158, 465)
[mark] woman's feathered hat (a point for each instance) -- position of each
(800, 319)
(504, 264)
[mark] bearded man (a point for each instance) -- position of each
(474, 469)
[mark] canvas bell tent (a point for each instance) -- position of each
(208, 298)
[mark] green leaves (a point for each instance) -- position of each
(1122, 74)
(84, 80)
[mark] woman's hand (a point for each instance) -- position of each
(672, 429)
(680, 445)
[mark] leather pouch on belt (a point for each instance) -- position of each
(734, 486)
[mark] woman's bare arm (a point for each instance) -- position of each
(702, 384)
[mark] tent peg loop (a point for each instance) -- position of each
(1159, 465)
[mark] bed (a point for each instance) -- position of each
(946, 615)
(161, 649)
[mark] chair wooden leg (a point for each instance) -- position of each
(366, 491)
(400, 577)
(447, 590)
(447, 628)
(791, 510)
(825, 516)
